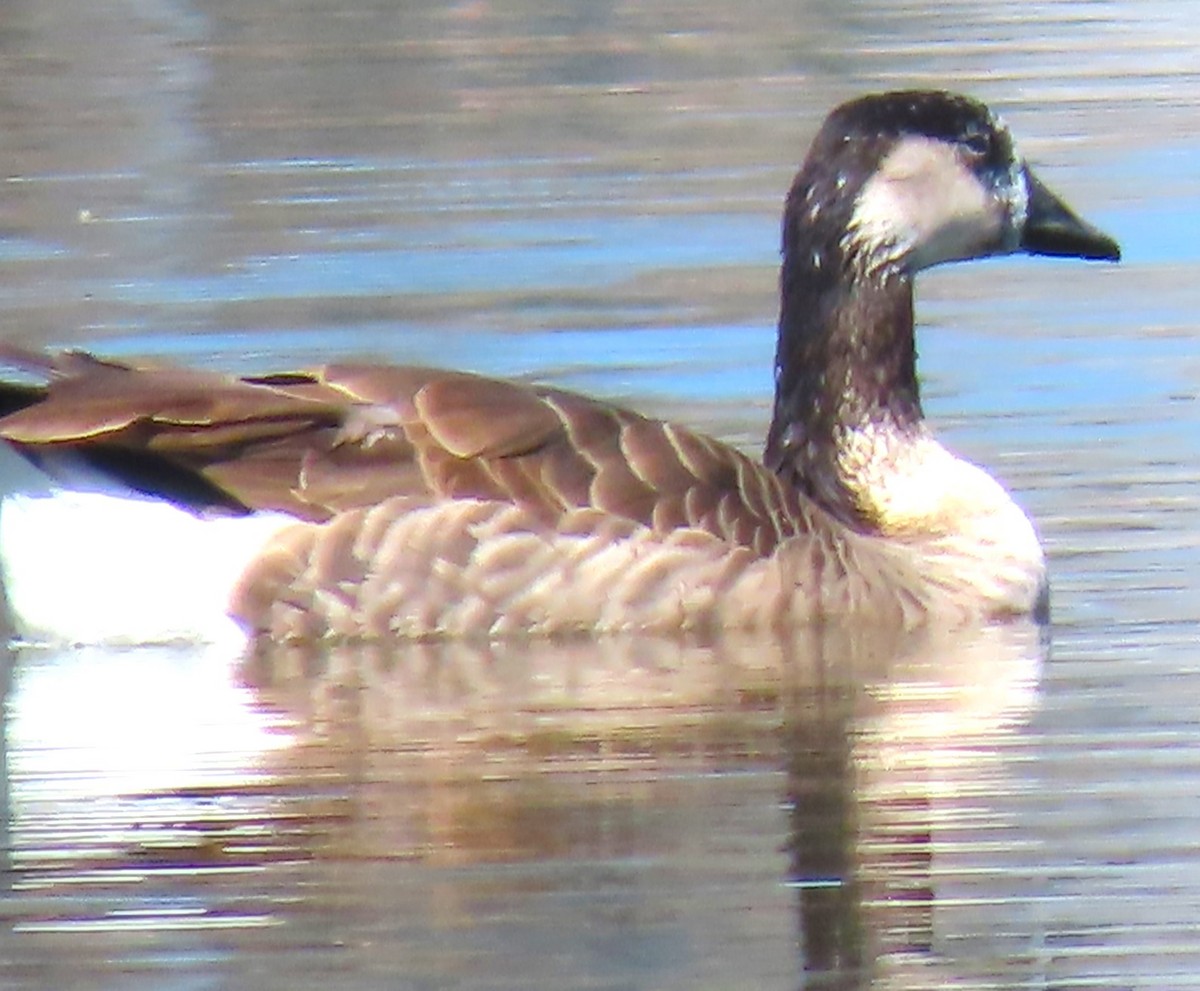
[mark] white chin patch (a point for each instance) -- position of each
(925, 206)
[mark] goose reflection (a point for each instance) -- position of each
(807, 807)
(892, 753)
(897, 778)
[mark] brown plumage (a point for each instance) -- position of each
(461, 465)
(344, 437)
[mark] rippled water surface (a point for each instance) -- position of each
(588, 194)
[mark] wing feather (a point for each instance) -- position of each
(349, 436)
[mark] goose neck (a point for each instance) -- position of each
(845, 373)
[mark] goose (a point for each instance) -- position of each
(422, 503)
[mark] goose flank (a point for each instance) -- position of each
(416, 502)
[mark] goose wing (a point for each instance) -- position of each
(347, 436)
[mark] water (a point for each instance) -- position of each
(588, 194)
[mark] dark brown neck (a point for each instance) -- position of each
(845, 361)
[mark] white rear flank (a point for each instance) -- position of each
(87, 567)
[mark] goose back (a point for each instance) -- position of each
(316, 444)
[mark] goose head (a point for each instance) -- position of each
(894, 183)
(907, 180)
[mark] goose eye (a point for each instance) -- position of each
(977, 145)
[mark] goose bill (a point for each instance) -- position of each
(1052, 228)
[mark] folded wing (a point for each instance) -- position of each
(315, 444)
